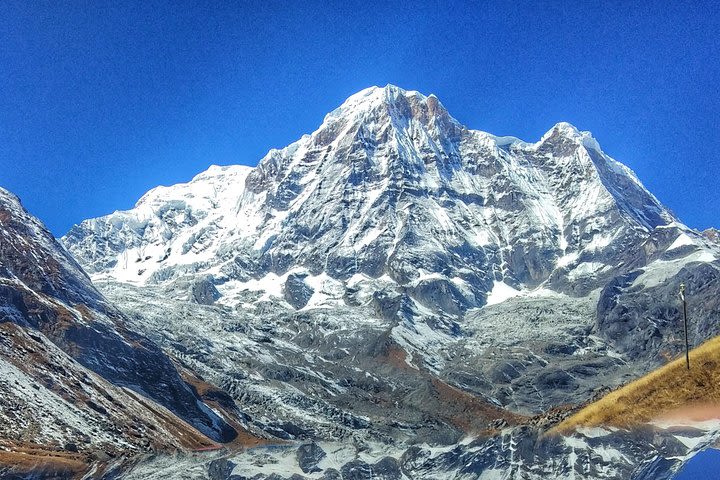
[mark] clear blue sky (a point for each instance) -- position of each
(703, 466)
(101, 101)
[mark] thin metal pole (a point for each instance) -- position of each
(687, 344)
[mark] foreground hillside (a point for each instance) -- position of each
(670, 393)
(80, 390)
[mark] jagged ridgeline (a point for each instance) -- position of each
(395, 279)
(393, 205)
(391, 186)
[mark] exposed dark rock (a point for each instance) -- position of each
(204, 291)
(645, 323)
(70, 447)
(657, 469)
(331, 474)
(356, 470)
(220, 469)
(296, 292)
(442, 296)
(308, 456)
(387, 468)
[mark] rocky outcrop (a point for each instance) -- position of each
(308, 456)
(296, 292)
(63, 334)
(204, 292)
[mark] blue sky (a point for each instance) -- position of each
(703, 466)
(101, 101)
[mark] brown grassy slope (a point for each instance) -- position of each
(662, 393)
(25, 460)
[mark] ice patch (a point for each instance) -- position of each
(681, 241)
(585, 269)
(599, 242)
(593, 432)
(689, 442)
(501, 291)
(566, 260)
(660, 271)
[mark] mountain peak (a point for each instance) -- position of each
(572, 133)
(393, 101)
(390, 173)
(7, 196)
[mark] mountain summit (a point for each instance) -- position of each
(394, 206)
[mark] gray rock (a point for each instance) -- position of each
(296, 292)
(387, 468)
(204, 291)
(356, 470)
(220, 469)
(331, 474)
(308, 456)
(647, 323)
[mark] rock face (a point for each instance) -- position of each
(296, 292)
(646, 321)
(73, 374)
(204, 292)
(397, 277)
(220, 469)
(308, 457)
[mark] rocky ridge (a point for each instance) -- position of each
(74, 378)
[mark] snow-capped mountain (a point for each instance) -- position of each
(393, 203)
(395, 277)
(389, 185)
(74, 378)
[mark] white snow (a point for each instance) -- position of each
(501, 291)
(690, 442)
(682, 240)
(586, 268)
(660, 271)
(567, 259)
(599, 242)
(270, 285)
(594, 432)
(328, 292)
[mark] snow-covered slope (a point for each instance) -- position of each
(394, 206)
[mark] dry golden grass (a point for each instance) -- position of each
(35, 461)
(670, 391)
